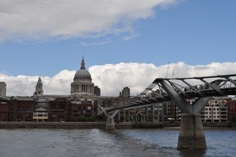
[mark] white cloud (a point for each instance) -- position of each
(111, 78)
(25, 85)
(63, 19)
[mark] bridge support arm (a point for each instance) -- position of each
(199, 105)
(110, 124)
(180, 102)
(191, 135)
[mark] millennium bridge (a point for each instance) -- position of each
(178, 90)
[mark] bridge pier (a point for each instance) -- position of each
(191, 135)
(110, 124)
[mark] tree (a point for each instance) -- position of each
(91, 118)
(82, 118)
(72, 117)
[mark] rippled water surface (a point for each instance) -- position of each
(103, 143)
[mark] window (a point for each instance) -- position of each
(61, 106)
(53, 105)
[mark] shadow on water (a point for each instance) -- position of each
(192, 153)
(164, 145)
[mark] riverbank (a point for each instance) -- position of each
(102, 125)
(53, 125)
(77, 125)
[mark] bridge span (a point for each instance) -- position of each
(179, 90)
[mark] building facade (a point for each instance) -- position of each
(97, 91)
(232, 110)
(216, 110)
(125, 92)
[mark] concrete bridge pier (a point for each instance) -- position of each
(191, 135)
(110, 124)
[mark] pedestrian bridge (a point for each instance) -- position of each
(187, 88)
(179, 90)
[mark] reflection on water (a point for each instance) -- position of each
(103, 143)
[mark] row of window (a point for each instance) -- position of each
(206, 108)
(215, 117)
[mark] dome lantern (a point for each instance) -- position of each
(82, 74)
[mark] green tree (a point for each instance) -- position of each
(91, 118)
(72, 117)
(82, 118)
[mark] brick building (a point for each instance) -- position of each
(58, 109)
(4, 109)
(232, 110)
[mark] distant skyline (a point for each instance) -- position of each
(124, 43)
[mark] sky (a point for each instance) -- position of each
(124, 42)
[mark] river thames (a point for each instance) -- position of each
(103, 143)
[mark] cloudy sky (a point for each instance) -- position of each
(124, 42)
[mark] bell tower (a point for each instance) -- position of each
(39, 88)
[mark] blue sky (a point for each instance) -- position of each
(195, 32)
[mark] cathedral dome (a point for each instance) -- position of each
(82, 74)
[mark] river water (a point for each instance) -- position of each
(103, 143)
